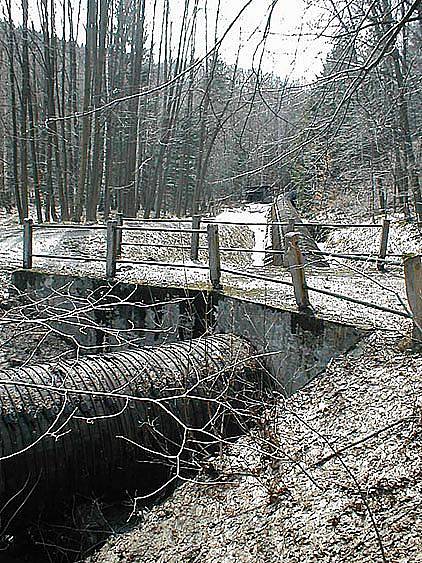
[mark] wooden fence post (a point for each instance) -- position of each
(276, 238)
(119, 235)
(194, 244)
(214, 255)
(413, 277)
(27, 243)
(384, 245)
(111, 249)
(291, 226)
(295, 264)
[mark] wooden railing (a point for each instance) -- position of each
(288, 250)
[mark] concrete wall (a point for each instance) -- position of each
(103, 316)
(295, 347)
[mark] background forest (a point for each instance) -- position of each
(112, 106)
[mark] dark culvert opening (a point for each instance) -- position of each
(111, 427)
(79, 437)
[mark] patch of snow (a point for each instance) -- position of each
(403, 238)
(249, 216)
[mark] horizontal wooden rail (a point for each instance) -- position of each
(248, 250)
(255, 276)
(166, 264)
(185, 247)
(255, 224)
(358, 257)
(161, 230)
(240, 224)
(341, 225)
(369, 254)
(158, 245)
(74, 258)
(75, 227)
(160, 220)
(297, 224)
(206, 221)
(351, 255)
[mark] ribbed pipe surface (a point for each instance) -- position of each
(66, 427)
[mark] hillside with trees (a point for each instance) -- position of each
(115, 107)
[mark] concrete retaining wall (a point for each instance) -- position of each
(101, 316)
(295, 347)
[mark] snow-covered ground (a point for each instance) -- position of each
(280, 494)
(254, 213)
(404, 238)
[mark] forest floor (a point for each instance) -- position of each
(333, 474)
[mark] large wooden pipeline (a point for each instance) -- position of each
(117, 421)
(283, 211)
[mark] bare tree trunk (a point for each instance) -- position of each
(408, 152)
(50, 54)
(171, 110)
(3, 184)
(131, 205)
(24, 110)
(12, 78)
(91, 38)
(93, 193)
(27, 107)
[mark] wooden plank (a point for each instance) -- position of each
(27, 243)
(383, 245)
(111, 249)
(214, 256)
(413, 277)
(295, 263)
(194, 247)
(287, 212)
